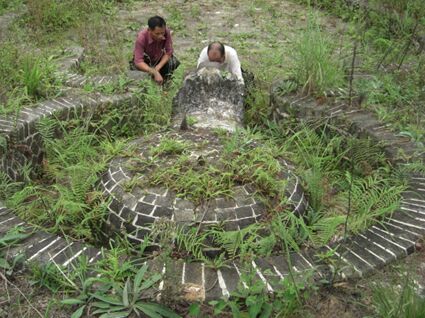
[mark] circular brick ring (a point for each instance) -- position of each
(134, 209)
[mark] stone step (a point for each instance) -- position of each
(8, 221)
(409, 220)
(399, 231)
(371, 259)
(213, 289)
(398, 249)
(27, 243)
(353, 260)
(377, 250)
(228, 279)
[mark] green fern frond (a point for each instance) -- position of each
(47, 128)
(326, 228)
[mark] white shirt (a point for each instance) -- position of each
(231, 61)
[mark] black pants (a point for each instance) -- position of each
(166, 71)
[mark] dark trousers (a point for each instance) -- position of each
(166, 71)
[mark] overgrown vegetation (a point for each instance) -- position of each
(390, 67)
(399, 301)
(315, 66)
(343, 176)
(25, 78)
(247, 158)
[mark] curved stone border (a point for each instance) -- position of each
(134, 212)
(68, 65)
(357, 256)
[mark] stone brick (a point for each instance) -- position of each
(243, 223)
(144, 220)
(184, 204)
(126, 214)
(225, 214)
(166, 201)
(149, 198)
(223, 203)
(231, 226)
(244, 212)
(144, 208)
(183, 216)
(115, 206)
(164, 212)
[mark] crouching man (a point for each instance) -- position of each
(153, 51)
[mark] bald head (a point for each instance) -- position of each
(216, 52)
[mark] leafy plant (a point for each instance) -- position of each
(130, 299)
(71, 205)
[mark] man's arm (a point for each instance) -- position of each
(203, 57)
(164, 59)
(235, 64)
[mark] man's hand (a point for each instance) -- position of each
(158, 77)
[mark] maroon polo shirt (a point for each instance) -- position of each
(154, 49)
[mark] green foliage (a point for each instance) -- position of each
(175, 19)
(7, 5)
(257, 104)
(27, 76)
(244, 160)
(115, 265)
(319, 154)
(390, 301)
(7, 186)
(68, 202)
(371, 198)
(255, 301)
(54, 15)
(169, 146)
(107, 297)
(316, 69)
(128, 299)
(106, 50)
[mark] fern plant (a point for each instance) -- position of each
(372, 198)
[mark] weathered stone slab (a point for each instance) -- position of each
(213, 99)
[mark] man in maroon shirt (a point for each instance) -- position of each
(153, 51)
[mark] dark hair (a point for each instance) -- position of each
(156, 21)
(220, 47)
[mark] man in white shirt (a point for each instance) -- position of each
(222, 57)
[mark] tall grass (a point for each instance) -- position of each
(398, 301)
(316, 68)
(27, 76)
